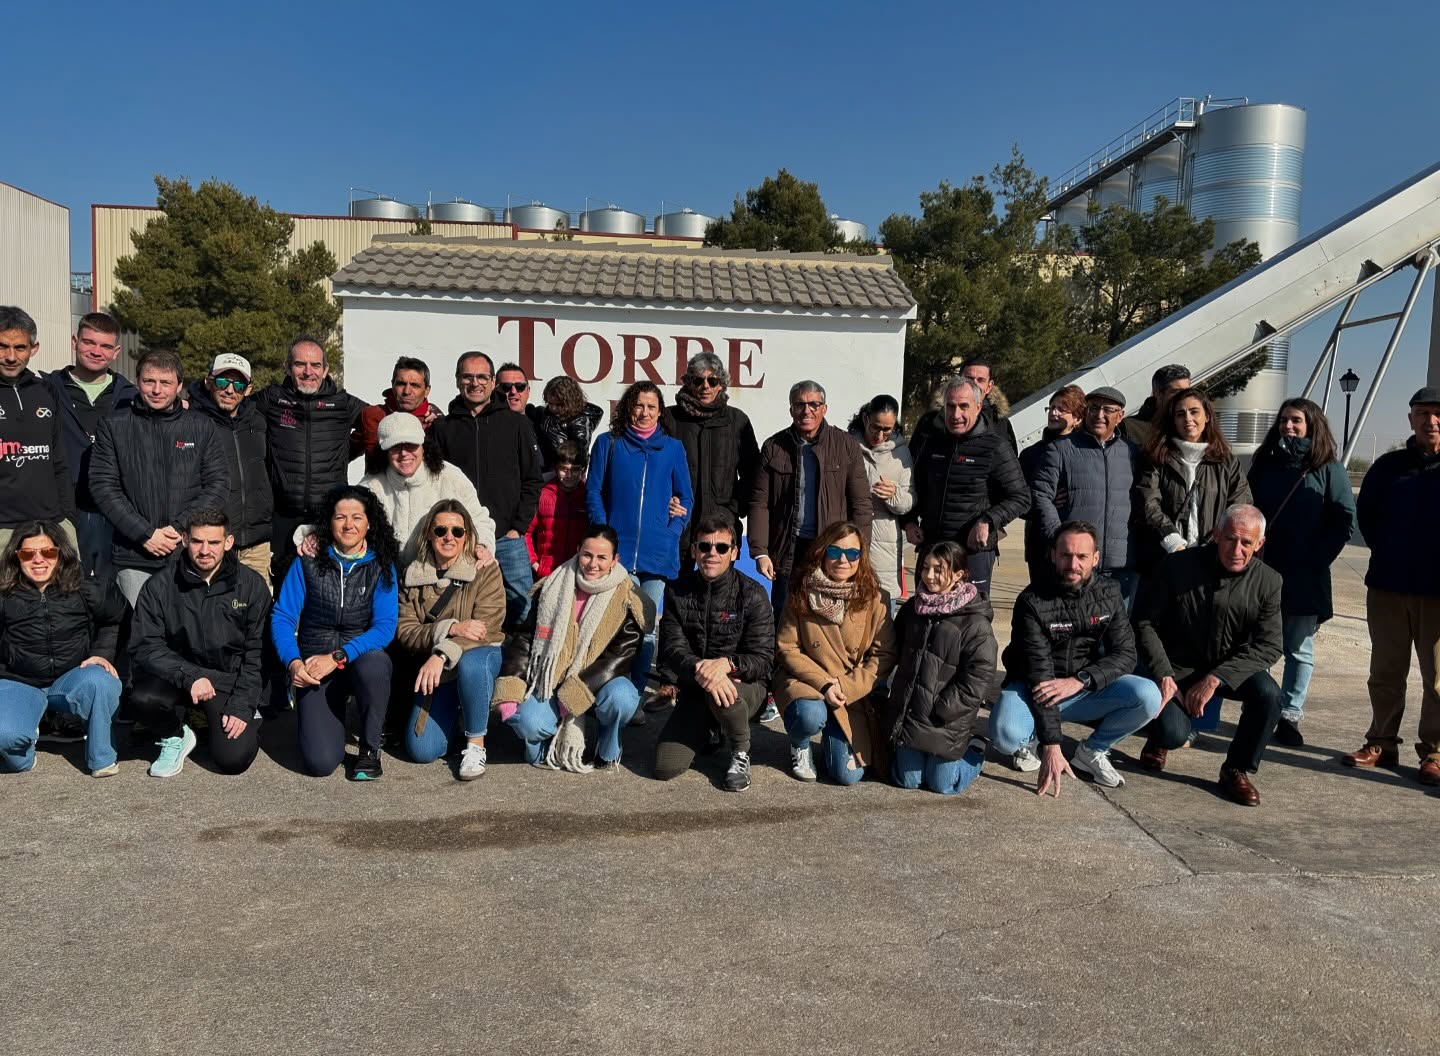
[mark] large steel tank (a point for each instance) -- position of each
(850, 230)
(382, 208)
(612, 220)
(537, 216)
(461, 212)
(685, 224)
(1158, 175)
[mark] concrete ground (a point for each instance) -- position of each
(539, 912)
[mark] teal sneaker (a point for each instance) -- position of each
(173, 752)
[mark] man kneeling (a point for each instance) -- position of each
(197, 636)
(1070, 658)
(717, 643)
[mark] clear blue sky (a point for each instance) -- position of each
(295, 102)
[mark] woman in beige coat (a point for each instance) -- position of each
(836, 641)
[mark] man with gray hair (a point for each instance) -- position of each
(968, 483)
(720, 445)
(1207, 624)
(810, 476)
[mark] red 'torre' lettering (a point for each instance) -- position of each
(567, 357)
(645, 363)
(526, 352)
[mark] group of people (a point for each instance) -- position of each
(197, 553)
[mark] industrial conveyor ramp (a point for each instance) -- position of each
(1398, 230)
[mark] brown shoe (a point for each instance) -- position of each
(1236, 785)
(1430, 772)
(1153, 759)
(1372, 755)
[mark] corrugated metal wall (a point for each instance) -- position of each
(35, 268)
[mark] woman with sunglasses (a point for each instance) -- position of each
(836, 641)
(639, 484)
(890, 470)
(451, 612)
(566, 416)
(58, 631)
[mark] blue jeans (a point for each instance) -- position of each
(89, 693)
(514, 560)
(536, 721)
(804, 718)
(946, 776)
(462, 705)
(1299, 645)
(1120, 708)
(653, 588)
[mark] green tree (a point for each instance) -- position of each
(782, 213)
(216, 274)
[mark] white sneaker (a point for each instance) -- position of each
(472, 762)
(1025, 760)
(801, 765)
(1097, 764)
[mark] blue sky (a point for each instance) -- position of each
(297, 102)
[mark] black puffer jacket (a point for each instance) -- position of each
(1058, 632)
(946, 671)
(186, 629)
(79, 421)
(151, 469)
(34, 483)
(1194, 617)
(961, 479)
(722, 453)
(251, 505)
(551, 432)
(728, 618)
(1081, 479)
(309, 438)
(1160, 497)
(496, 449)
(45, 634)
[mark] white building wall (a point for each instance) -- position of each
(35, 268)
(854, 357)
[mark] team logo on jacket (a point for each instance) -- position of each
(43, 412)
(727, 617)
(14, 453)
(184, 445)
(287, 419)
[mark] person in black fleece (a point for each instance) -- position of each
(34, 483)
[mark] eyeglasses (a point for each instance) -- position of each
(707, 382)
(1106, 410)
(229, 383)
(849, 553)
(49, 553)
(713, 548)
(455, 531)
(474, 379)
(514, 386)
(807, 405)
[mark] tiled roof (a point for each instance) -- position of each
(570, 271)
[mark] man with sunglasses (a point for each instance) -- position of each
(717, 643)
(514, 388)
(494, 445)
(220, 396)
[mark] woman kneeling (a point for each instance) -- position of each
(575, 652)
(836, 641)
(947, 669)
(451, 612)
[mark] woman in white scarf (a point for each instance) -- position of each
(574, 653)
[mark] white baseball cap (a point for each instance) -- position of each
(230, 361)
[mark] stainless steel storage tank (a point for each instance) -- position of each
(685, 224)
(537, 216)
(850, 230)
(461, 211)
(612, 220)
(382, 208)
(1159, 174)
(1117, 190)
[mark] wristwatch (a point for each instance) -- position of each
(1086, 679)
(339, 657)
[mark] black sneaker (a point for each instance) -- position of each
(59, 728)
(1287, 735)
(737, 778)
(364, 767)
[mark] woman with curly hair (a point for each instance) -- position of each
(836, 642)
(565, 416)
(335, 614)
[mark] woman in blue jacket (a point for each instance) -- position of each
(1303, 490)
(640, 486)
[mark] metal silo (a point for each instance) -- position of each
(612, 220)
(685, 224)
(537, 216)
(1158, 175)
(461, 211)
(382, 208)
(850, 230)
(1075, 213)
(1245, 170)
(1116, 190)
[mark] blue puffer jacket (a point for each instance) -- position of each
(630, 486)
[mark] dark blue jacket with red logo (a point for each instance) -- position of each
(153, 468)
(728, 618)
(34, 483)
(961, 479)
(309, 439)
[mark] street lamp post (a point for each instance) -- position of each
(1349, 382)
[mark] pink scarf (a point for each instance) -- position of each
(644, 434)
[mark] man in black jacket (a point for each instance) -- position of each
(968, 483)
(1071, 658)
(34, 483)
(495, 447)
(88, 390)
(717, 643)
(980, 371)
(153, 465)
(1208, 624)
(1164, 383)
(309, 421)
(250, 506)
(196, 643)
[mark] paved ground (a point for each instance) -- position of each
(536, 912)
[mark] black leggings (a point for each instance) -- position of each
(687, 734)
(322, 711)
(162, 707)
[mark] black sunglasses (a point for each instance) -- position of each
(514, 386)
(230, 383)
(716, 548)
(455, 531)
(849, 553)
(707, 382)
